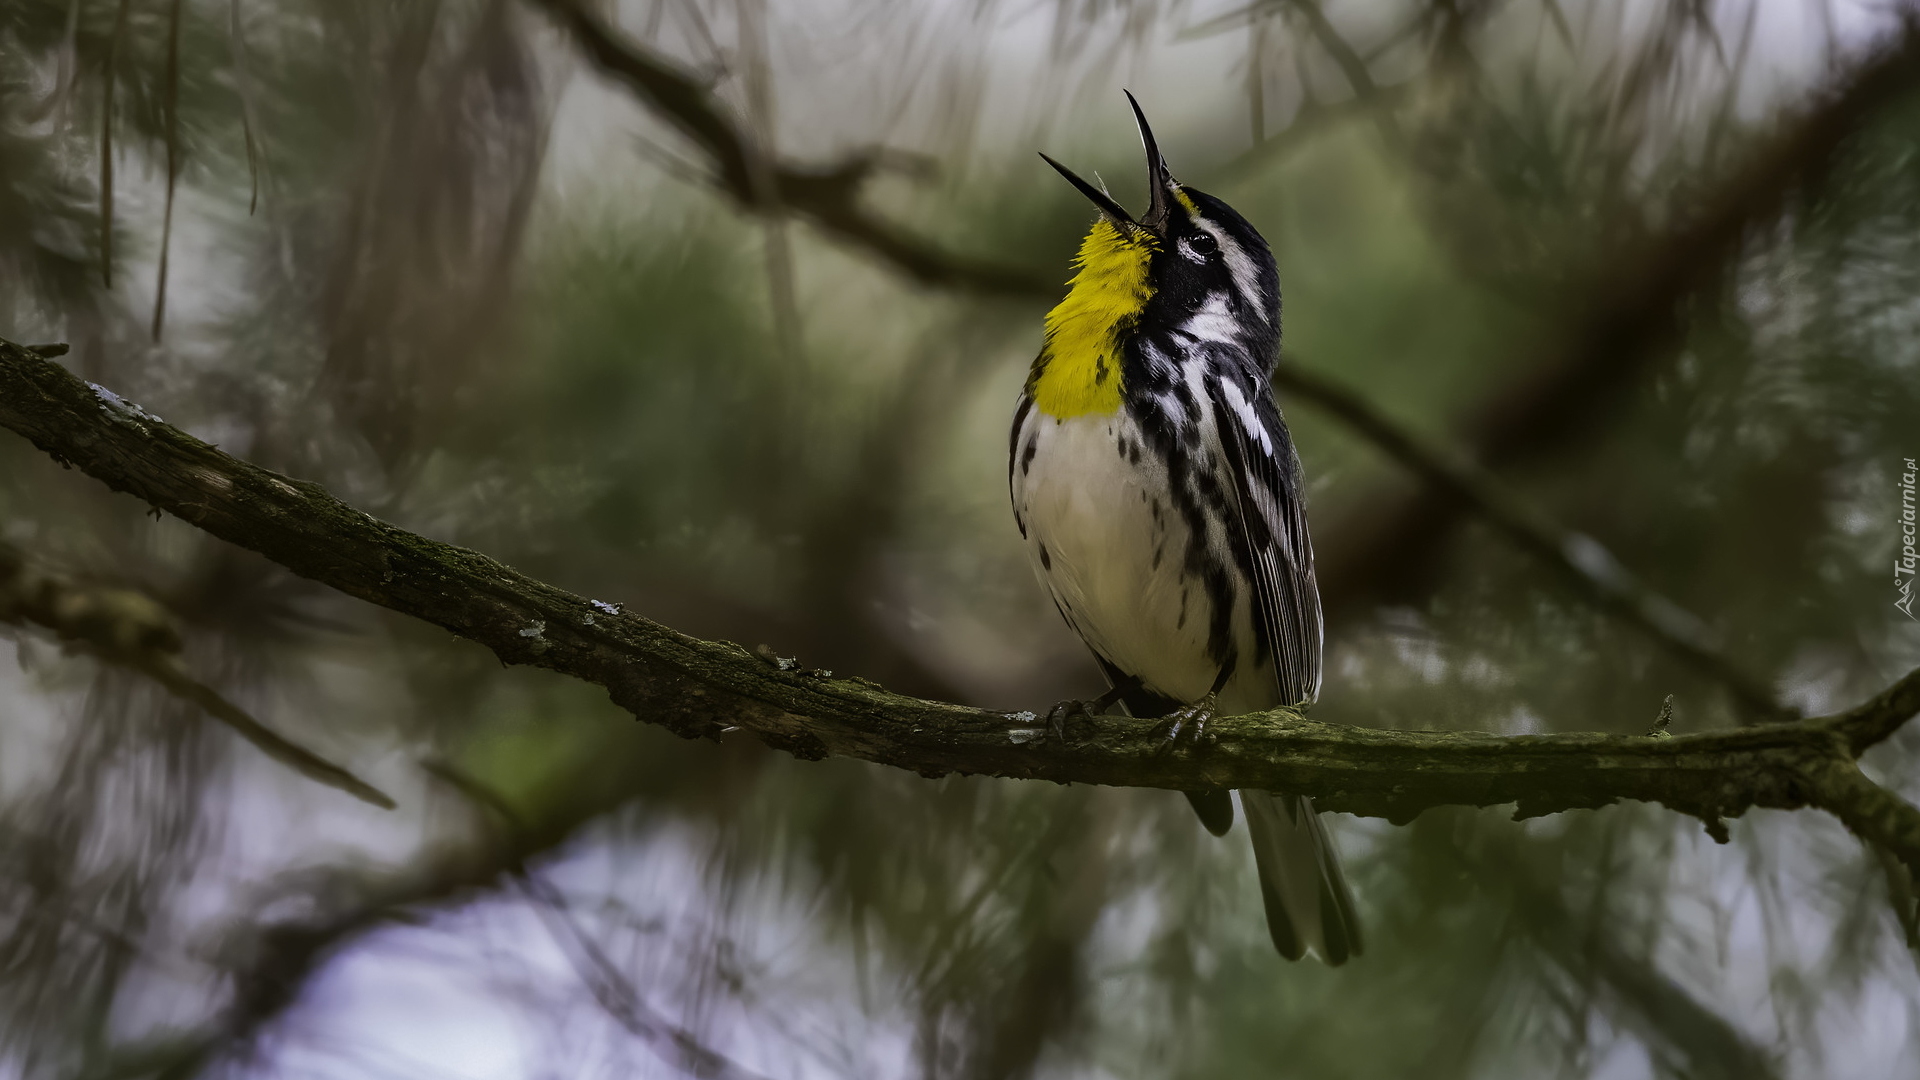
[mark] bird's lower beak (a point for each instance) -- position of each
(1109, 209)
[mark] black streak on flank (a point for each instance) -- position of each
(1026, 455)
(1189, 429)
(1019, 421)
(1046, 560)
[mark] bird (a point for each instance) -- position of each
(1161, 502)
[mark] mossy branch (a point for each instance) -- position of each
(707, 689)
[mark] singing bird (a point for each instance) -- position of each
(1161, 500)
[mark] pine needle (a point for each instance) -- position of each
(106, 147)
(243, 85)
(171, 103)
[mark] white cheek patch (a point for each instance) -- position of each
(1214, 321)
(1246, 276)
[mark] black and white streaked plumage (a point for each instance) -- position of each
(1161, 499)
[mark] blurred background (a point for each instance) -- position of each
(1653, 265)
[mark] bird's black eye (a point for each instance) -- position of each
(1197, 248)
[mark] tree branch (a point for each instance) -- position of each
(1877, 816)
(708, 689)
(828, 197)
(126, 629)
(1351, 65)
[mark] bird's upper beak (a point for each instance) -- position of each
(1160, 185)
(1159, 179)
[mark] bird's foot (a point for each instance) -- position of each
(1188, 723)
(1058, 716)
(1061, 714)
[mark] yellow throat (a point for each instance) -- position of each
(1078, 370)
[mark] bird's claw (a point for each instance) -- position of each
(1188, 724)
(1062, 712)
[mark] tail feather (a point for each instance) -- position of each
(1309, 906)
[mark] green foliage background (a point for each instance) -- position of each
(487, 295)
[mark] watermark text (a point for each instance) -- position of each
(1905, 564)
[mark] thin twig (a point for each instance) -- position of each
(243, 86)
(128, 630)
(611, 989)
(619, 998)
(273, 959)
(269, 742)
(789, 332)
(827, 196)
(106, 143)
(1648, 998)
(1344, 54)
(170, 105)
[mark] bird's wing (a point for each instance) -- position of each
(1263, 479)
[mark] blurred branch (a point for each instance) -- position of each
(1649, 1000)
(1311, 119)
(1370, 100)
(1578, 559)
(620, 999)
(1632, 315)
(827, 196)
(126, 629)
(703, 689)
(1351, 64)
(270, 962)
(610, 987)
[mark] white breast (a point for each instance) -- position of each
(1110, 546)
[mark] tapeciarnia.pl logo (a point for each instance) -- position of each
(1903, 567)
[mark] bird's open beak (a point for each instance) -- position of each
(1159, 180)
(1109, 209)
(1159, 184)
